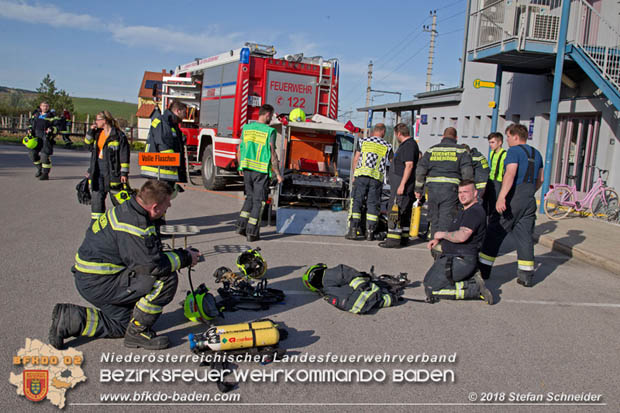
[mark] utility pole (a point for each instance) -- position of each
(368, 90)
(431, 49)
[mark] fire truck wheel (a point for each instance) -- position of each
(209, 178)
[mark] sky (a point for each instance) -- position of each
(101, 49)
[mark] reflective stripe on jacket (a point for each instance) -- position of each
(446, 162)
(165, 136)
(125, 238)
(115, 156)
(497, 165)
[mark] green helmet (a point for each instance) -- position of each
(297, 115)
(252, 264)
(313, 277)
(204, 309)
(123, 195)
(30, 141)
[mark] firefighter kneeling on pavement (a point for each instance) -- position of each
(454, 274)
(121, 269)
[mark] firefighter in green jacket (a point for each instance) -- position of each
(256, 166)
(496, 173)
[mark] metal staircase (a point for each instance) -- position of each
(594, 45)
(523, 35)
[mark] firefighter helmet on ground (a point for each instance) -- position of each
(313, 277)
(297, 115)
(252, 264)
(204, 309)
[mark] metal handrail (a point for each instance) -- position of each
(596, 38)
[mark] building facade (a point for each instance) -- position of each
(519, 40)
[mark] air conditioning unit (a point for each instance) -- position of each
(543, 25)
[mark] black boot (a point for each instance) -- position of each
(240, 231)
(139, 335)
(39, 171)
(252, 238)
(67, 321)
(370, 234)
(354, 233)
(484, 292)
(524, 278)
(390, 243)
(44, 176)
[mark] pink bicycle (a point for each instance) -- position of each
(600, 201)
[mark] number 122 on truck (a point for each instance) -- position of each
(224, 92)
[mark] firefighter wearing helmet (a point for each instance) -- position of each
(256, 166)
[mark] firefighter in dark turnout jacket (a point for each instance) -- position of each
(165, 136)
(44, 126)
(440, 171)
(109, 160)
(370, 163)
(453, 275)
(515, 206)
(481, 171)
(121, 269)
(348, 289)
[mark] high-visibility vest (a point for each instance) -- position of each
(255, 148)
(371, 162)
(497, 165)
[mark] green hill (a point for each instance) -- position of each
(121, 110)
(16, 101)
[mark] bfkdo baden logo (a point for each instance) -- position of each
(35, 384)
(47, 373)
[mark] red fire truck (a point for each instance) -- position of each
(224, 92)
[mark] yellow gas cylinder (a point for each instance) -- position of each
(247, 338)
(256, 325)
(416, 212)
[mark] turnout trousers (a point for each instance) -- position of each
(256, 194)
(41, 156)
(117, 298)
(518, 219)
(369, 189)
(443, 204)
(450, 277)
(98, 192)
(398, 226)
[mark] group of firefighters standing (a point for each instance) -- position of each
(125, 241)
(465, 239)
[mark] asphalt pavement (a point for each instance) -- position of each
(556, 340)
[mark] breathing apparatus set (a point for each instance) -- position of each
(238, 293)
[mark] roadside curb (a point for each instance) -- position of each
(579, 253)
